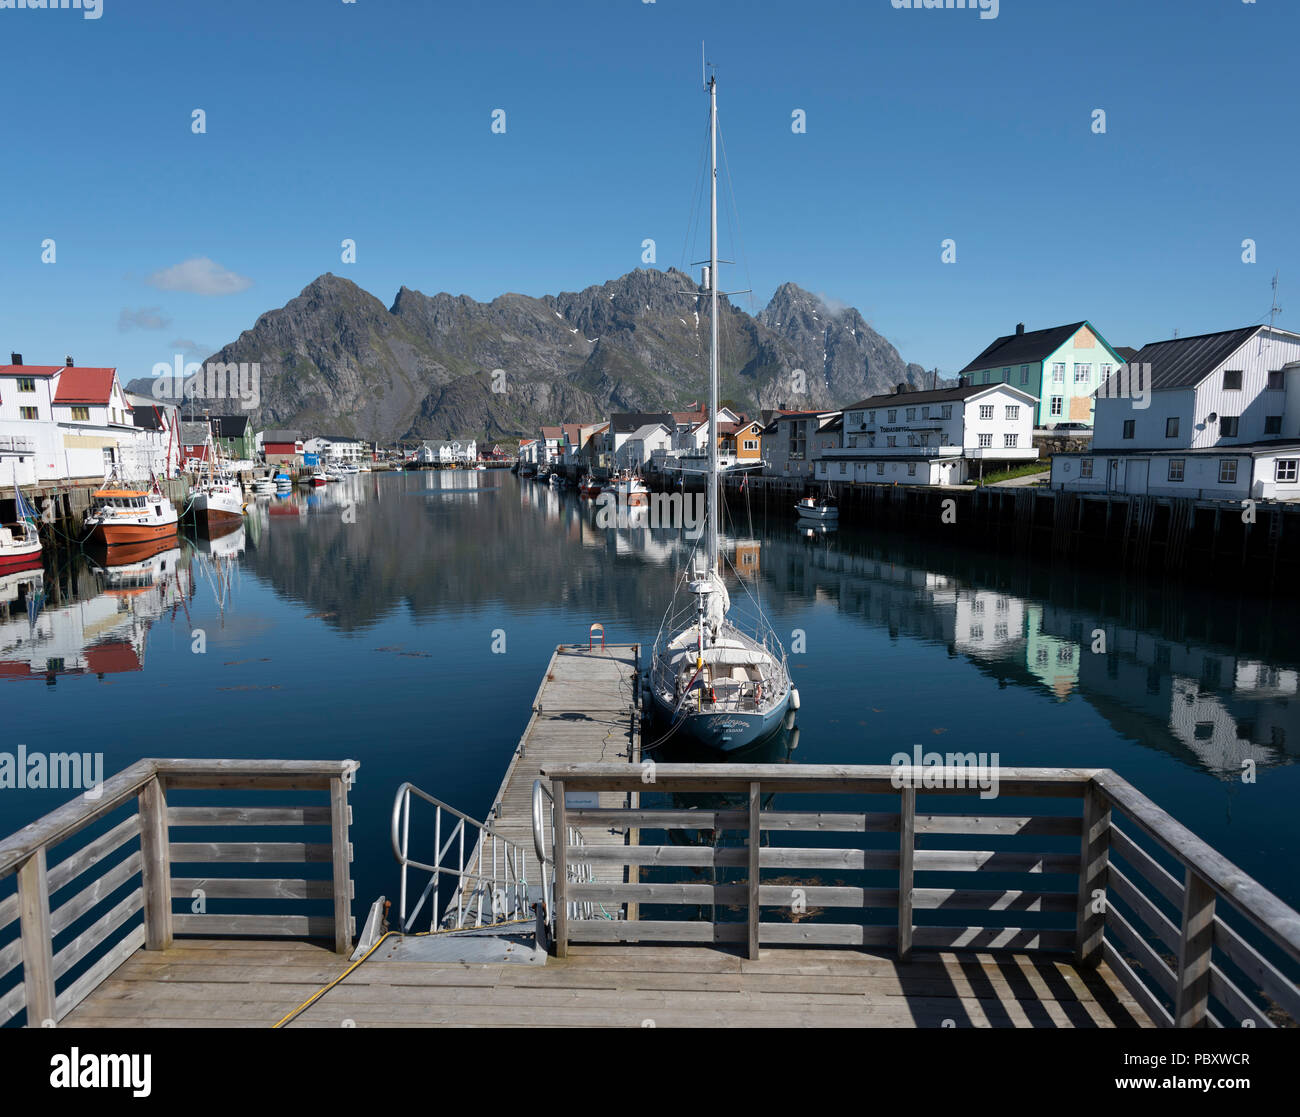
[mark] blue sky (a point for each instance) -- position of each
(372, 121)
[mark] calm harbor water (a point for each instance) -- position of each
(360, 621)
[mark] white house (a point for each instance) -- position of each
(792, 440)
(939, 437)
(336, 448)
(62, 422)
(453, 452)
(1215, 416)
(636, 448)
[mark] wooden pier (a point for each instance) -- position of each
(689, 895)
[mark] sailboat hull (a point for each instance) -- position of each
(725, 731)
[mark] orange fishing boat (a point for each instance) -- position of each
(121, 515)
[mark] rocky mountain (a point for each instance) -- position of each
(336, 360)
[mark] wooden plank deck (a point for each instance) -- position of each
(584, 712)
(219, 983)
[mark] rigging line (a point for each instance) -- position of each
(697, 204)
(735, 209)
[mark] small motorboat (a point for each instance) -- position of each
(632, 491)
(283, 482)
(315, 479)
(819, 509)
(588, 486)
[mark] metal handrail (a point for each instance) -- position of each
(506, 881)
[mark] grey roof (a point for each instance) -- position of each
(930, 395)
(1026, 348)
(280, 436)
(1183, 362)
(194, 434)
(627, 422)
(229, 426)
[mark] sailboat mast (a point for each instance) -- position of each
(713, 327)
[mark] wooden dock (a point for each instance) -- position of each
(1068, 899)
(585, 712)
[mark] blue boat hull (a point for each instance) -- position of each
(723, 732)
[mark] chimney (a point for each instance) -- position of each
(899, 389)
(15, 358)
(68, 361)
(1020, 329)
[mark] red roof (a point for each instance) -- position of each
(85, 385)
(29, 370)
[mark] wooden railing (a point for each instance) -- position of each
(1193, 939)
(53, 955)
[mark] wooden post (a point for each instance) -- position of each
(906, 876)
(1094, 857)
(156, 866)
(561, 871)
(341, 854)
(1194, 950)
(755, 847)
(38, 950)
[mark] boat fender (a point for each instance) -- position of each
(794, 698)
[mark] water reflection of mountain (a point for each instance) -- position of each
(1168, 667)
(92, 618)
(438, 543)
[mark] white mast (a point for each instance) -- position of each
(713, 328)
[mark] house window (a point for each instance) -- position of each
(988, 375)
(893, 416)
(1105, 373)
(1085, 467)
(81, 414)
(1009, 440)
(1232, 380)
(798, 441)
(751, 444)
(1275, 379)
(871, 416)
(986, 411)
(26, 384)
(854, 418)
(912, 440)
(891, 440)
(911, 469)
(911, 414)
(1176, 469)
(1272, 424)
(986, 440)
(1006, 376)
(1227, 471)
(947, 411)
(925, 413)
(880, 469)
(1129, 426)
(1171, 427)
(1024, 374)
(1286, 470)
(1013, 411)
(1228, 426)
(1057, 407)
(1058, 373)
(844, 467)
(27, 413)
(1082, 373)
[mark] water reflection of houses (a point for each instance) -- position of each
(1212, 704)
(100, 631)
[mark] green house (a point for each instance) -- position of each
(1062, 366)
(234, 433)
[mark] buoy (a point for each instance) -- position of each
(794, 698)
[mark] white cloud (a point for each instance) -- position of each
(199, 276)
(146, 318)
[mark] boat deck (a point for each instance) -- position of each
(253, 984)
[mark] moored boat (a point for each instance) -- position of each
(714, 682)
(20, 542)
(821, 509)
(589, 486)
(124, 515)
(631, 491)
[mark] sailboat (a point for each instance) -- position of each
(718, 684)
(20, 542)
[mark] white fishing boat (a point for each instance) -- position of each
(264, 486)
(217, 498)
(283, 483)
(715, 682)
(631, 491)
(819, 509)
